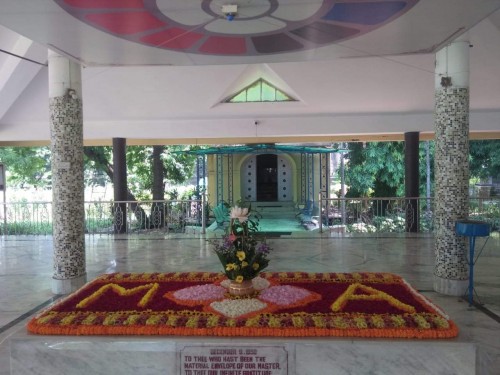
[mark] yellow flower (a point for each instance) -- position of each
(241, 255)
(255, 266)
(244, 264)
(239, 279)
(230, 266)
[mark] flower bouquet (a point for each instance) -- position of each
(242, 252)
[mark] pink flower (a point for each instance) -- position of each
(284, 294)
(201, 293)
(239, 213)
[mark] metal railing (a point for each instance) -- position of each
(393, 215)
(486, 209)
(359, 215)
(108, 217)
(376, 215)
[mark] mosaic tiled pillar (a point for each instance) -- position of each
(451, 167)
(66, 133)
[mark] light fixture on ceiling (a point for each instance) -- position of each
(230, 11)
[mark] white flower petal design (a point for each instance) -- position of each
(233, 308)
(259, 283)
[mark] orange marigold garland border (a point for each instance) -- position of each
(288, 304)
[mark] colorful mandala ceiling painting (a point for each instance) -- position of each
(260, 27)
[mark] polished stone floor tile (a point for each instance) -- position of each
(26, 271)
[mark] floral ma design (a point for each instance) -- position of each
(267, 299)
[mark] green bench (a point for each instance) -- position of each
(221, 214)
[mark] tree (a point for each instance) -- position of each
(148, 169)
(30, 166)
(485, 158)
(375, 169)
(27, 166)
(177, 167)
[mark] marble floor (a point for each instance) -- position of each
(26, 270)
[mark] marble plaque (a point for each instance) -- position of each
(233, 360)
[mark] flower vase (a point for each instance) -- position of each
(244, 288)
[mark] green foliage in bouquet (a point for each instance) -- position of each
(242, 252)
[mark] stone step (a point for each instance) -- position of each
(275, 210)
(277, 214)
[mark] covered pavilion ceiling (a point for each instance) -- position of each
(157, 71)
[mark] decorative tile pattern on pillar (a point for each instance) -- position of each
(452, 181)
(66, 132)
(284, 179)
(310, 177)
(230, 179)
(220, 177)
(249, 179)
(303, 178)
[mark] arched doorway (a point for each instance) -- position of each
(266, 177)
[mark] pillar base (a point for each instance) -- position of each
(66, 286)
(450, 287)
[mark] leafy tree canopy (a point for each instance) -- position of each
(30, 166)
(485, 158)
(177, 167)
(27, 166)
(375, 169)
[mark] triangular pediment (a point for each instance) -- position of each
(254, 78)
(260, 91)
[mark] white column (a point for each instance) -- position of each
(451, 166)
(66, 137)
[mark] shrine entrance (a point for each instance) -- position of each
(267, 178)
(267, 173)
